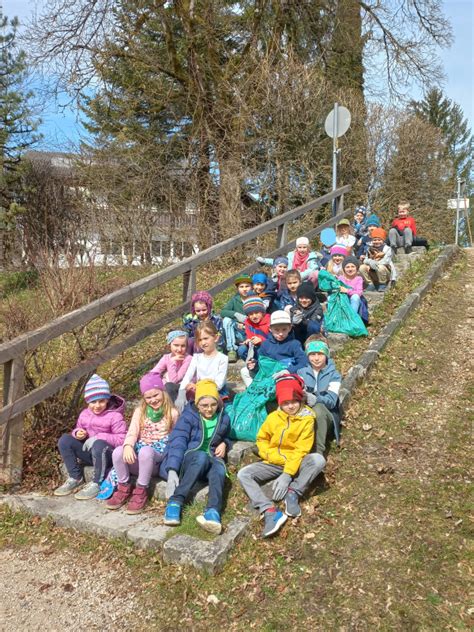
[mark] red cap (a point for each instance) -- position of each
(289, 387)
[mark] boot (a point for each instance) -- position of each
(137, 502)
(120, 496)
(407, 250)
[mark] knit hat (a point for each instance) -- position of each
(302, 241)
(338, 250)
(317, 346)
(306, 290)
(380, 233)
(150, 381)
(372, 220)
(176, 333)
(96, 388)
(253, 304)
(243, 278)
(280, 259)
(206, 388)
(351, 259)
(289, 387)
(343, 222)
(201, 297)
(360, 209)
(280, 317)
(260, 277)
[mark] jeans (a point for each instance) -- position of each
(355, 302)
(252, 476)
(147, 464)
(73, 454)
(199, 465)
(233, 335)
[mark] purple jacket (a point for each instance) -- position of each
(109, 425)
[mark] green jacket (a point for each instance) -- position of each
(231, 307)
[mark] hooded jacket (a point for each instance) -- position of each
(326, 389)
(109, 425)
(188, 435)
(286, 439)
(289, 352)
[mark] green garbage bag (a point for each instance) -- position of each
(341, 318)
(327, 282)
(248, 412)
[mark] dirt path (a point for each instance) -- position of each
(382, 547)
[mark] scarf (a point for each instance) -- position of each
(154, 415)
(300, 262)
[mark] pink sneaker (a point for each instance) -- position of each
(120, 496)
(137, 502)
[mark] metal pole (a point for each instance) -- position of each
(458, 196)
(334, 158)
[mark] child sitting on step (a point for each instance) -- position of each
(234, 317)
(376, 268)
(197, 449)
(344, 235)
(211, 364)
(173, 365)
(287, 298)
(260, 283)
(307, 315)
(144, 446)
(403, 229)
(201, 310)
(350, 276)
(284, 443)
(302, 258)
(99, 429)
(334, 265)
(257, 325)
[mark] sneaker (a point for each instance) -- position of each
(292, 505)
(274, 520)
(232, 356)
(120, 496)
(382, 287)
(137, 502)
(210, 521)
(172, 514)
(370, 288)
(408, 250)
(69, 486)
(88, 491)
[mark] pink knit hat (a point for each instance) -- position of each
(338, 250)
(201, 297)
(150, 381)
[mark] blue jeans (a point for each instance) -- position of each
(232, 335)
(198, 466)
(355, 302)
(73, 454)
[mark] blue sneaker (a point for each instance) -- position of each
(274, 520)
(382, 287)
(172, 514)
(292, 504)
(210, 521)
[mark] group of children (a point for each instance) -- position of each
(180, 430)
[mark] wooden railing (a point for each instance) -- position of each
(13, 352)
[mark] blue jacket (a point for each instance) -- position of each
(284, 298)
(188, 435)
(326, 390)
(289, 352)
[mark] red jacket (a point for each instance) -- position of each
(400, 223)
(261, 330)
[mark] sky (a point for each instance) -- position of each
(60, 126)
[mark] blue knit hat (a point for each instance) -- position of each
(96, 388)
(260, 277)
(373, 220)
(280, 259)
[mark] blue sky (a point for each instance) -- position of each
(60, 126)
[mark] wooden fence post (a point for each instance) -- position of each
(282, 234)
(12, 432)
(189, 284)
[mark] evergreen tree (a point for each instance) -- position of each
(17, 128)
(448, 117)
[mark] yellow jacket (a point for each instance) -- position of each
(285, 440)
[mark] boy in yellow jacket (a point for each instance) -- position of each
(284, 443)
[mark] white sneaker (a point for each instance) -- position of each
(88, 491)
(69, 486)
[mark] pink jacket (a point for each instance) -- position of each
(109, 425)
(172, 370)
(133, 434)
(357, 284)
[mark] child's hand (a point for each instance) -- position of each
(251, 364)
(343, 290)
(240, 326)
(129, 455)
(220, 450)
(255, 340)
(190, 387)
(81, 435)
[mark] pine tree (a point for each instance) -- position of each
(17, 127)
(448, 117)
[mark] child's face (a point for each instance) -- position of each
(201, 310)
(154, 398)
(98, 406)
(207, 407)
(343, 230)
(207, 342)
(305, 301)
(244, 288)
(338, 259)
(370, 229)
(291, 406)
(302, 249)
(280, 332)
(317, 360)
(293, 283)
(280, 269)
(402, 211)
(178, 347)
(358, 217)
(350, 270)
(259, 288)
(256, 317)
(377, 242)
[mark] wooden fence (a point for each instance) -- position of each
(13, 352)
